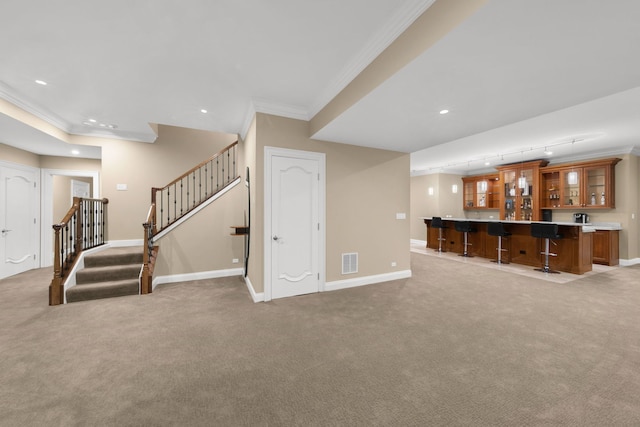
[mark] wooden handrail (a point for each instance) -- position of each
(194, 187)
(201, 164)
(77, 224)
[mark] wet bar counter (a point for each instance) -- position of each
(574, 249)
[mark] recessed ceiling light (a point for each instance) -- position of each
(75, 152)
(41, 82)
(102, 125)
(444, 111)
(92, 120)
(112, 126)
(487, 163)
(203, 111)
(548, 153)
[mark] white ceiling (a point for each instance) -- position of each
(517, 76)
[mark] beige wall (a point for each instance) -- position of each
(141, 166)
(62, 194)
(365, 188)
(21, 157)
(204, 242)
(442, 203)
(70, 163)
(255, 250)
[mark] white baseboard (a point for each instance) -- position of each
(256, 296)
(367, 280)
(422, 243)
(187, 277)
(125, 243)
(627, 262)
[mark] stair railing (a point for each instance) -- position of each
(83, 227)
(194, 187)
(148, 257)
(182, 195)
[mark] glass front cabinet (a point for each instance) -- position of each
(521, 193)
(579, 185)
(481, 192)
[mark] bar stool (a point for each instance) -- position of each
(546, 232)
(466, 228)
(436, 222)
(497, 229)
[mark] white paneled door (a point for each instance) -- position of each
(18, 220)
(295, 225)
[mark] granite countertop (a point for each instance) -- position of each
(588, 227)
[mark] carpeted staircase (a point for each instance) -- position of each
(110, 273)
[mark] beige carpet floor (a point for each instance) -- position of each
(455, 345)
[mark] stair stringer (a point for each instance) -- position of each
(194, 211)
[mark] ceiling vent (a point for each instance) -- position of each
(350, 263)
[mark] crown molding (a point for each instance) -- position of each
(279, 109)
(120, 135)
(10, 95)
(399, 22)
(248, 118)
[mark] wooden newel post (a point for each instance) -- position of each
(77, 202)
(146, 274)
(55, 291)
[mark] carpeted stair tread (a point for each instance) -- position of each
(114, 256)
(91, 291)
(108, 273)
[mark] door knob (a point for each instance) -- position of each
(275, 238)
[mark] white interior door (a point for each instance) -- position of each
(18, 220)
(295, 239)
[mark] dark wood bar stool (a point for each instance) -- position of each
(466, 228)
(436, 222)
(497, 229)
(548, 232)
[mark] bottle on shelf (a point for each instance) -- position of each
(593, 198)
(602, 199)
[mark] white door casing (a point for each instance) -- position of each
(19, 224)
(294, 222)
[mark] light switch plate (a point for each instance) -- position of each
(401, 215)
(121, 187)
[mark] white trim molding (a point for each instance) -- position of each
(366, 280)
(125, 243)
(422, 243)
(201, 275)
(256, 296)
(628, 262)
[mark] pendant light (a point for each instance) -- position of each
(572, 177)
(522, 181)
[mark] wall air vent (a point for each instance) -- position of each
(350, 263)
